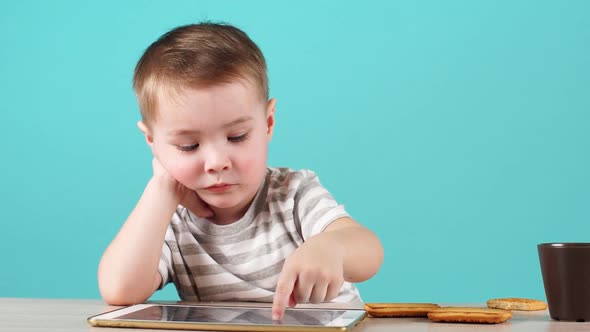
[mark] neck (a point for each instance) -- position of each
(222, 217)
(227, 216)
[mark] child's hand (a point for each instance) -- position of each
(313, 273)
(165, 181)
(195, 204)
(187, 197)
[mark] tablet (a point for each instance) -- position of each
(228, 318)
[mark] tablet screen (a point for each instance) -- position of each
(226, 317)
(232, 315)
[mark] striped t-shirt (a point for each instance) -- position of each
(242, 261)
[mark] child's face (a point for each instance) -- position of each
(214, 141)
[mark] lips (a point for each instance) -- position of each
(219, 187)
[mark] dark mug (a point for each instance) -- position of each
(566, 276)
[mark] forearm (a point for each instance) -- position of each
(128, 268)
(361, 250)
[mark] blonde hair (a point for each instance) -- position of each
(196, 56)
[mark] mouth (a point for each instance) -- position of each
(219, 187)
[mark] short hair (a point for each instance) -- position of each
(196, 56)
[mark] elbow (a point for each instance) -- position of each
(373, 262)
(379, 257)
(374, 267)
(115, 291)
(114, 299)
(120, 295)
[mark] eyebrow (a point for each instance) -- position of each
(240, 120)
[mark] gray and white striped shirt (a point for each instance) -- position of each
(242, 261)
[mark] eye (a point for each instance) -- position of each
(237, 139)
(187, 148)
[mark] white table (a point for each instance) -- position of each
(62, 315)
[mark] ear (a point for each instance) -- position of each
(149, 139)
(270, 117)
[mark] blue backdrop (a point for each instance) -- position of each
(459, 131)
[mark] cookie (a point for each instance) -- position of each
(517, 304)
(399, 309)
(469, 315)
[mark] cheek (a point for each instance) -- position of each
(181, 169)
(183, 173)
(254, 158)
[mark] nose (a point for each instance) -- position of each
(216, 160)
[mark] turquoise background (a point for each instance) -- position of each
(459, 131)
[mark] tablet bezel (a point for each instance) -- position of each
(345, 322)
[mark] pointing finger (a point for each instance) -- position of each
(283, 294)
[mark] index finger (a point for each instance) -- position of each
(283, 292)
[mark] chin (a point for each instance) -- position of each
(221, 202)
(222, 205)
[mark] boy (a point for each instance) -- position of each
(214, 219)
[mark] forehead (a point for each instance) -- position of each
(239, 91)
(211, 106)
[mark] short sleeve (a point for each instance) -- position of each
(314, 206)
(165, 264)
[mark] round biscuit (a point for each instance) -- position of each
(514, 303)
